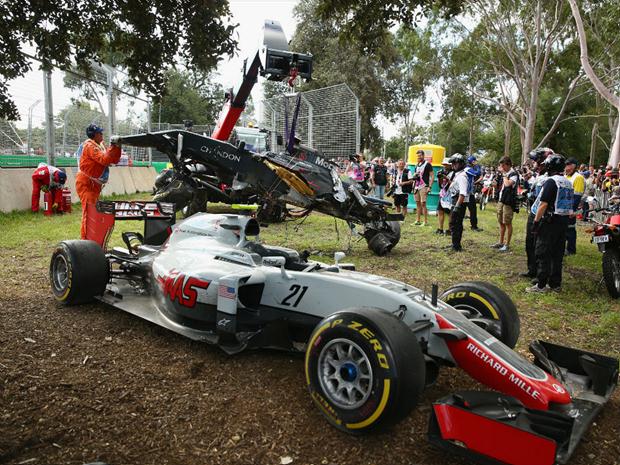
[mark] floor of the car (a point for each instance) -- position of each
(124, 297)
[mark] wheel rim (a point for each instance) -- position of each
(60, 273)
(345, 374)
(489, 324)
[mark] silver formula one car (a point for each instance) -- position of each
(371, 343)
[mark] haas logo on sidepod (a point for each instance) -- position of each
(182, 288)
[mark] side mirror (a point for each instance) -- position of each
(338, 256)
(274, 261)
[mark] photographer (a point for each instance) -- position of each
(459, 191)
(551, 209)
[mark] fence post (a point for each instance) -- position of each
(149, 151)
(49, 116)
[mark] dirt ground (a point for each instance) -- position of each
(86, 384)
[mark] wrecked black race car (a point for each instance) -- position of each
(312, 184)
(372, 344)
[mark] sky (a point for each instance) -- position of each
(249, 14)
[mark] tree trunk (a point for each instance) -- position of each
(507, 134)
(471, 135)
(614, 153)
(593, 140)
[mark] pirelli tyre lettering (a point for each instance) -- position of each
(364, 369)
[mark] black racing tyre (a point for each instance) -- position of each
(393, 231)
(488, 306)
(611, 272)
(380, 244)
(364, 369)
(79, 271)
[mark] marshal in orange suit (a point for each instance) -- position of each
(93, 173)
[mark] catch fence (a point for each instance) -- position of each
(328, 120)
(55, 108)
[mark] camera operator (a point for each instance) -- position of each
(459, 191)
(552, 208)
(539, 176)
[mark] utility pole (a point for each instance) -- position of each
(49, 116)
(111, 100)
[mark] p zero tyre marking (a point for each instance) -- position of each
(377, 413)
(310, 344)
(486, 303)
(61, 275)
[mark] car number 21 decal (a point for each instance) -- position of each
(294, 296)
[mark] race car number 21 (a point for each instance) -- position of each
(294, 294)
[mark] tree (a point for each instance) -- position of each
(190, 95)
(603, 90)
(519, 40)
(338, 61)
(148, 38)
(416, 68)
(365, 23)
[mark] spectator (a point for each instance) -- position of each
(402, 185)
(579, 186)
(379, 177)
(355, 171)
(445, 202)
(423, 180)
(507, 203)
(474, 173)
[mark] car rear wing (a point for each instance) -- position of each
(158, 219)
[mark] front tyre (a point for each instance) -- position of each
(611, 272)
(488, 306)
(364, 369)
(79, 271)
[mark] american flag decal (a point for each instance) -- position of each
(226, 292)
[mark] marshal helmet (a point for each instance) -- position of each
(555, 163)
(93, 129)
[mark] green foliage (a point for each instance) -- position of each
(145, 37)
(338, 61)
(190, 95)
(365, 22)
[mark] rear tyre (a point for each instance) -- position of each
(611, 272)
(79, 271)
(365, 369)
(489, 307)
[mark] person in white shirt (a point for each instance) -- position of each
(459, 192)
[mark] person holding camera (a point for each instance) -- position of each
(552, 209)
(507, 204)
(422, 182)
(458, 191)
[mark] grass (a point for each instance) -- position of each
(583, 315)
